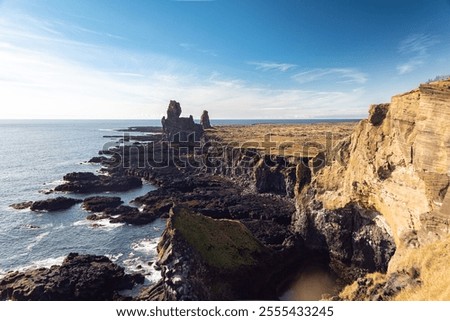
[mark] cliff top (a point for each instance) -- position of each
(300, 140)
(223, 244)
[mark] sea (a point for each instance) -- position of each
(34, 156)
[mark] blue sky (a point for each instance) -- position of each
(237, 58)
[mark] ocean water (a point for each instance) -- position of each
(34, 156)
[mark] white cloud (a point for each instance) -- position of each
(416, 46)
(269, 66)
(42, 76)
(194, 47)
(337, 75)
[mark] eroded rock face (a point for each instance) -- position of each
(357, 240)
(396, 162)
(206, 259)
(182, 129)
(385, 187)
(80, 277)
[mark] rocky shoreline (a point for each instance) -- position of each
(241, 218)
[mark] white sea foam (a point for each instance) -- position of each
(45, 263)
(113, 257)
(37, 239)
(147, 246)
(103, 224)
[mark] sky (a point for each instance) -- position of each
(256, 59)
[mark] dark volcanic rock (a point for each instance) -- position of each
(377, 113)
(207, 259)
(22, 205)
(384, 287)
(356, 239)
(86, 182)
(182, 129)
(111, 208)
(134, 216)
(80, 176)
(54, 204)
(100, 203)
(50, 205)
(97, 159)
(204, 120)
(80, 277)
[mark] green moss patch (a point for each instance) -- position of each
(223, 244)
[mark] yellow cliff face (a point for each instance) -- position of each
(398, 162)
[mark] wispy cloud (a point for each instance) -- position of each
(336, 75)
(270, 66)
(194, 47)
(42, 76)
(416, 46)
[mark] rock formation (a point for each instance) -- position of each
(50, 205)
(204, 120)
(180, 129)
(80, 277)
(397, 163)
(87, 182)
(207, 259)
(392, 173)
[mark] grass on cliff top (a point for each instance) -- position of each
(223, 244)
(431, 260)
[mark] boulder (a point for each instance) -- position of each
(79, 277)
(100, 203)
(54, 204)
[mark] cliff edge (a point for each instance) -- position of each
(394, 169)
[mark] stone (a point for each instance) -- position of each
(397, 162)
(101, 203)
(377, 113)
(22, 205)
(86, 182)
(79, 277)
(54, 204)
(204, 120)
(49, 205)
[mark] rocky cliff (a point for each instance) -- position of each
(396, 162)
(202, 258)
(394, 172)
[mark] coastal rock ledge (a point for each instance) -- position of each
(80, 277)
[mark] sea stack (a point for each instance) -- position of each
(204, 120)
(182, 129)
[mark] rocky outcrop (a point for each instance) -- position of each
(267, 216)
(110, 208)
(100, 203)
(206, 259)
(48, 205)
(204, 120)
(383, 189)
(86, 182)
(397, 163)
(180, 129)
(80, 277)
(381, 287)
